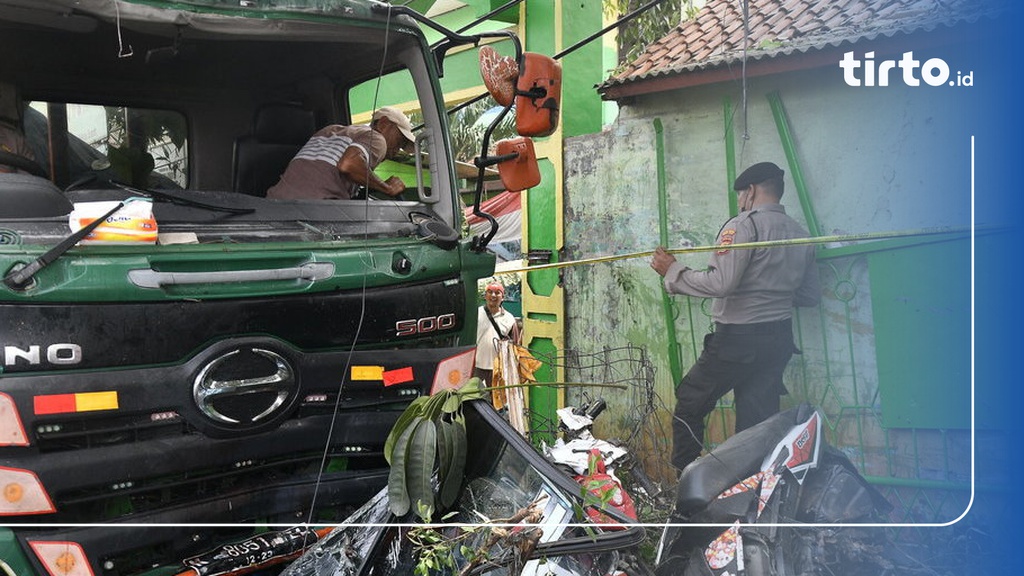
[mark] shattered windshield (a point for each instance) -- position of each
(503, 485)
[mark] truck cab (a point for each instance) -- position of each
(206, 361)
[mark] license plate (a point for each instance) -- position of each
(254, 552)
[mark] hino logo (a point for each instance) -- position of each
(245, 386)
(61, 354)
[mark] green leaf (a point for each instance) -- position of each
(419, 465)
(398, 490)
(434, 407)
(444, 450)
(449, 489)
(472, 389)
(411, 412)
(452, 403)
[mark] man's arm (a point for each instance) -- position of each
(725, 268)
(354, 168)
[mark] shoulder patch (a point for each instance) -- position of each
(726, 238)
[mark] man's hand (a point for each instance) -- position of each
(394, 186)
(662, 260)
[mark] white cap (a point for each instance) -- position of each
(398, 118)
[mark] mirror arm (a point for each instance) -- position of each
(452, 39)
(482, 162)
(486, 161)
(533, 94)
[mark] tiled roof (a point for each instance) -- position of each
(780, 27)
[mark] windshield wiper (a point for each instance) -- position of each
(165, 197)
(19, 278)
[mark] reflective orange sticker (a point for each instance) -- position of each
(399, 376)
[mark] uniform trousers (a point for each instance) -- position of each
(748, 359)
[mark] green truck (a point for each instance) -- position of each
(183, 361)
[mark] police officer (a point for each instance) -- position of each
(754, 293)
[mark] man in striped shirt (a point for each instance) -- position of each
(338, 159)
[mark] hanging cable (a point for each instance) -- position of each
(121, 52)
(310, 518)
(745, 8)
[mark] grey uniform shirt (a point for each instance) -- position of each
(759, 285)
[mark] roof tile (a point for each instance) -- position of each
(716, 34)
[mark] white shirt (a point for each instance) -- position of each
(486, 338)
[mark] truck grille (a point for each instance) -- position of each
(80, 434)
(88, 503)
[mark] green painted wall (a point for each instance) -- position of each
(583, 69)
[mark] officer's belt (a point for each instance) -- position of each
(773, 327)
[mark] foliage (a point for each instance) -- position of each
(429, 435)
(467, 129)
(138, 127)
(477, 545)
(636, 35)
(435, 551)
(140, 140)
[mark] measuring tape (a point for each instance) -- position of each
(922, 232)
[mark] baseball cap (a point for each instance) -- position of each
(756, 174)
(398, 118)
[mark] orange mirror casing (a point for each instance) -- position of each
(538, 95)
(521, 172)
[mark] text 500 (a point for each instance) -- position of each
(424, 325)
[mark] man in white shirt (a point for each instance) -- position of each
(493, 323)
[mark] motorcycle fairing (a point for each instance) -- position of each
(737, 458)
(798, 450)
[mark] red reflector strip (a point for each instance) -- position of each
(400, 376)
(82, 402)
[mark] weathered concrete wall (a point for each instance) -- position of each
(874, 160)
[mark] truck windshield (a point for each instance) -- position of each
(159, 121)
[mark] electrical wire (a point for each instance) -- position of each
(745, 7)
(310, 518)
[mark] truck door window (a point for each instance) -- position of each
(142, 147)
(401, 93)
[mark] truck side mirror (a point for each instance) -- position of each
(520, 171)
(500, 74)
(535, 85)
(538, 95)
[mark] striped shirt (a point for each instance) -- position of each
(313, 173)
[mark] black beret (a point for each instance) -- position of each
(756, 174)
